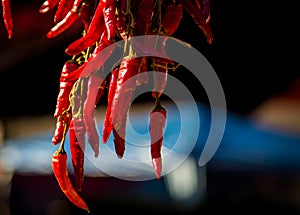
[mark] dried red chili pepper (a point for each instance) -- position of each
(157, 125)
(107, 124)
(7, 17)
(98, 58)
(95, 88)
(121, 20)
(126, 84)
(64, 6)
(200, 15)
(63, 113)
(77, 147)
(94, 32)
(59, 166)
(109, 9)
(144, 15)
(172, 18)
(48, 5)
(71, 17)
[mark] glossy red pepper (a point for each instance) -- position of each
(157, 125)
(95, 88)
(144, 15)
(171, 18)
(63, 112)
(48, 5)
(64, 6)
(200, 15)
(107, 124)
(121, 19)
(71, 17)
(77, 148)
(59, 166)
(94, 32)
(7, 17)
(125, 88)
(109, 10)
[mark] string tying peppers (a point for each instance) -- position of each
(82, 81)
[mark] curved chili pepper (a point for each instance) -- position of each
(94, 32)
(157, 125)
(121, 21)
(126, 84)
(59, 166)
(107, 124)
(77, 147)
(109, 9)
(71, 17)
(95, 88)
(201, 16)
(48, 5)
(144, 15)
(7, 17)
(63, 113)
(64, 6)
(98, 58)
(172, 18)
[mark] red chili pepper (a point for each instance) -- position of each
(109, 9)
(121, 21)
(48, 5)
(100, 55)
(94, 32)
(126, 84)
(144, 15)
(59, 166)
(95, 88)
(7, 17)
(63, 113)
(71, 17)
(64, 6)
(157, 125)
(172, 18)
(201, 16)
(77, 146)
(107, 124)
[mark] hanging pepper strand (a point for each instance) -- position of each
(126, 84)
(107, 124)
(95, 88)
(63, 112)
(77, 148)
(157, 125)
(202, 17)
(7, 17)
(94, 32)
(59, 166)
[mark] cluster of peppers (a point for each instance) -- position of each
(82, 84)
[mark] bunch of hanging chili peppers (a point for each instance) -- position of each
(82, 84)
